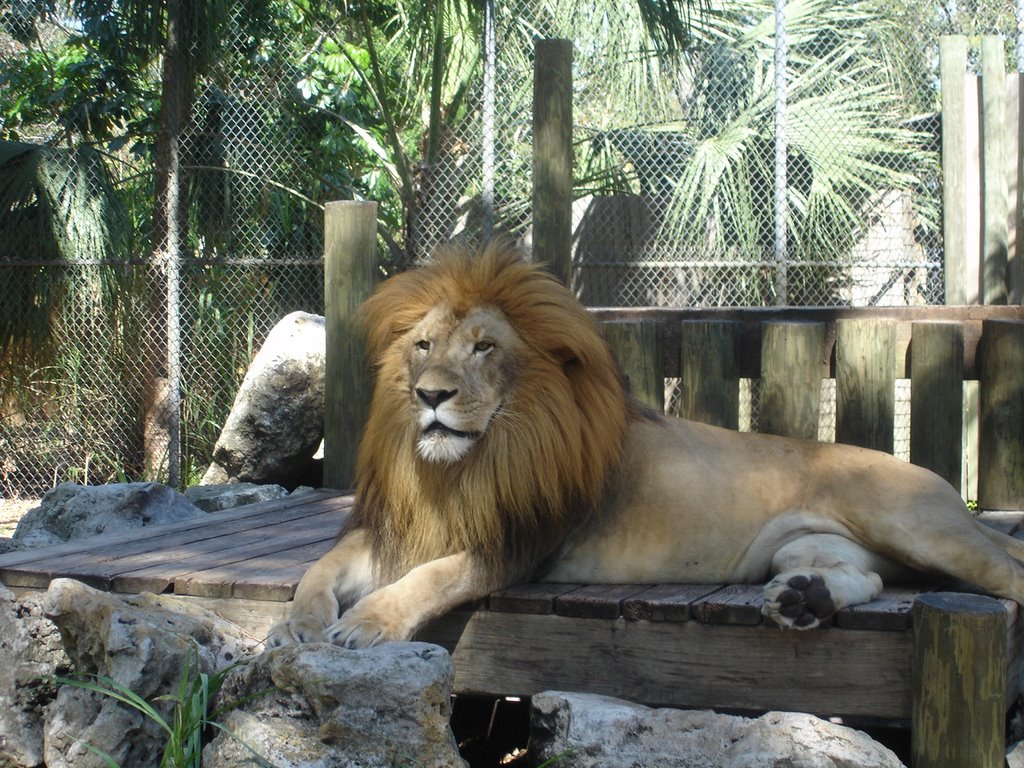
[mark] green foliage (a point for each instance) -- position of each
(192, 715)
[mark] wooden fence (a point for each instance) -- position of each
(982, 175)
(944, 352)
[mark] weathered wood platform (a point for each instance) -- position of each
(667, 644)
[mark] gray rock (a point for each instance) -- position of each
(1015, 755)
(72, 511)
(213, 498)
(586, 731)
(277, 420)
(321, 706)
(32, 655)
(144, 643)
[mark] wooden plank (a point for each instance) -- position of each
(256, 570)
(866, 383)
(111, 541)
(793, 362)
(553, 156)
(595, 601)
(172, 565)
(666, 602)
(937, 399)
(738, 604)
(953, 75)
(102, 559)
(537, 598)
(350, 273)
(1001, 417)
(959, 681)
(680, 664)
(709, 356)
(638, 348)
(889, 612)
(1015, 185)
(751, 320)
(995, 240)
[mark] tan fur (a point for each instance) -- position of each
(501, 446)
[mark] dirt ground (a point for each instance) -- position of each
(11, 512)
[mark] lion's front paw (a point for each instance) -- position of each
(294, 631)
(798, 600)
(371, 621)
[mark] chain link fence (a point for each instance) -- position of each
(677, 180)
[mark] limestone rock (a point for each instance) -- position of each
(214, 498)
(72, 511)
(277, 420)
(322, 706)
(590, 731)
(144, 642)
(32, 654)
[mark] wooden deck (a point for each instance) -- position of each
(678, 645)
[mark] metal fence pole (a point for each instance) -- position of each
(781, 207)
(487, 117)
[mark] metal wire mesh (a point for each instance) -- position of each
(675, 185)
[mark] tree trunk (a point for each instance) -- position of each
(161, 392)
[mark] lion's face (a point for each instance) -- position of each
(460, 371)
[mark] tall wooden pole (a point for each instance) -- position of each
(350, 269)
(552, 157)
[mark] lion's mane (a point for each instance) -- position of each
(545, 459)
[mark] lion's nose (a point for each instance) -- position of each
(434, 397)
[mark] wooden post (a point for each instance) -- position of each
(1001, 415)
(937, 398)
(350, 269)
(995, 200)
(792, 366)
(639, 348)
(552, 157)
(953, 65)
(958, 681)
(709, 371)
(866, 383)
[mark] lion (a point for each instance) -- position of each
(502, 446)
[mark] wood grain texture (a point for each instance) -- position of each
(638, 348)
(793, 362)
(709, 372)
(937, 399)
(866, 383)
(1001, 417)
(958, 681)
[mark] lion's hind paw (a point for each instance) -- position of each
(798, 601)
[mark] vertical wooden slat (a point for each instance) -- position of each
(1001, 415)
(350, 269)
(1015, 167)
(791, 371)
(953, 63)
(866, 383)
(638, 347)
(995, 140)
(709, 370)
(958, 681)
(937, 398)
(552, 156)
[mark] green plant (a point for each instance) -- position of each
(190, 721)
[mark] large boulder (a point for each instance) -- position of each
(587, 731)
(277, 420)
(72, 511)
(144, 643)
(32, 655)
(321, 706)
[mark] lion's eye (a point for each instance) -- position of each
(423, 345)
(483, 347)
